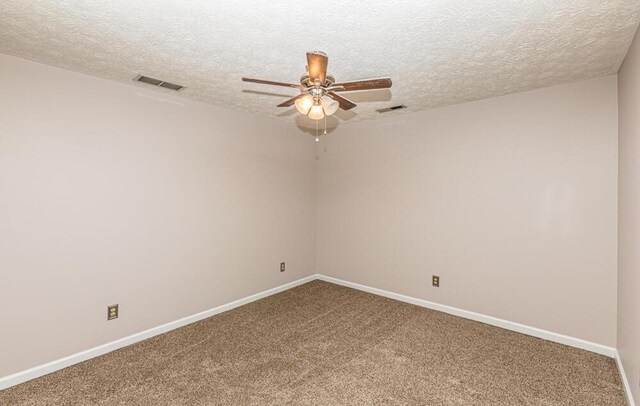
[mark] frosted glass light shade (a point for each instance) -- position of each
(329, 105)
(316, 112)
(303, 104)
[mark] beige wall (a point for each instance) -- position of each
(629, 217)
(110, 193)
(511, 200)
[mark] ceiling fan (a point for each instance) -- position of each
(319, 92)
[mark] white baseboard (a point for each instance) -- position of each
(625, 381)
(520, 328)
(23, 376)
(20, 377)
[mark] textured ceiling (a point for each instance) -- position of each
(437, 52)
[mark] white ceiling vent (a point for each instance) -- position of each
(392, 108)
(158, 82)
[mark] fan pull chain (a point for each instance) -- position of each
(325, 125)
(317, 137)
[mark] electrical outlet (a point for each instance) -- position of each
(112, 312)
(281, 266)
(435, 281)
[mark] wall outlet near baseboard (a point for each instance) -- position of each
(281, 266)
(112, 312)
(435, 281)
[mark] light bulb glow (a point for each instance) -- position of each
(303, 104)
(316, 112)
(329, 105)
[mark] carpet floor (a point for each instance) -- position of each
(323, 344)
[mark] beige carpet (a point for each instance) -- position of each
(322, 344)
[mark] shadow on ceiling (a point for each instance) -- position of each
(380, 95)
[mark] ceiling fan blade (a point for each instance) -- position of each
(345, 104)
(271, 82)
(317, 64)
(259, 93)
(291, 101)
(367, 84)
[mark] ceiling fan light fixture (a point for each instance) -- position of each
(319, 95)
(304, 104)
(316, 112)
(329, 105)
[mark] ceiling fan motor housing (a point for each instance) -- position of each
(307, 82)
